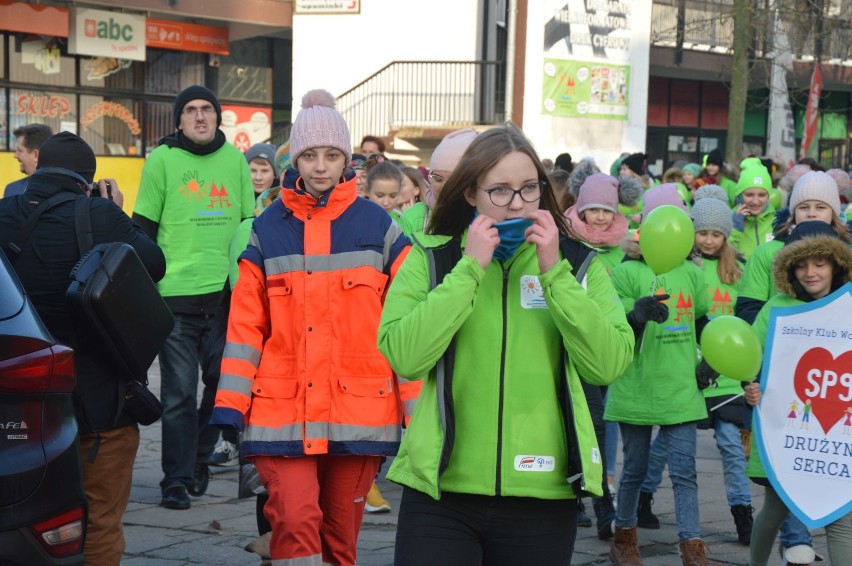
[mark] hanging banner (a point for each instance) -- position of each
(593, 59)
(810, 143)
(804, 421)
(781, 139)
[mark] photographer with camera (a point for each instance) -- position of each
(109, 436)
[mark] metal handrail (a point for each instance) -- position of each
(424, 95)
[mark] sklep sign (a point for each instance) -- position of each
(804, 429)
(106, 34)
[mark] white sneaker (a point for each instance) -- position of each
(225, 454)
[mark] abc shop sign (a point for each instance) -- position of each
(106, 34)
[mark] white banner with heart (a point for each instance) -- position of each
(804, 421)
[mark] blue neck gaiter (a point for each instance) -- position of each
(511, 234)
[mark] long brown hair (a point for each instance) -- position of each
(453, 214)
(728, 268)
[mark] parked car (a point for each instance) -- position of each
(43, 508)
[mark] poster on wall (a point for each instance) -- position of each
(590, 58)
(584, 89)
(245, 126)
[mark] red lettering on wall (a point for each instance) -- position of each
(43, 106)
(114, 110)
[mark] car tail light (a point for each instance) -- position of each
(49, 370)
(62, 535)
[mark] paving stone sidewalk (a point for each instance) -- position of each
(217, 527)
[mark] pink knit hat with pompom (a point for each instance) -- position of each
(318, 124)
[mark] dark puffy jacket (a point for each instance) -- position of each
(47, 277)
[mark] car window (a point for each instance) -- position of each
(11, 299)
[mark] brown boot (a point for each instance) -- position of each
(693, 552)
(625, 548)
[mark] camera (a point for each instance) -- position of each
(95, 190)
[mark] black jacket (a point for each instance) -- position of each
(44, 266)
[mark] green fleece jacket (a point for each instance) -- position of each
(659, 387)
(751, 231)
(519, 337)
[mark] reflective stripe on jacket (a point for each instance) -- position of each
(301, 373)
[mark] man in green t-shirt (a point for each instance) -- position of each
(195, 190)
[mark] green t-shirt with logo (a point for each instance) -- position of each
(659, 387)
(198, 202)
(721, 298)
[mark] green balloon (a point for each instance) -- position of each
(775, 199)
(666, 238)
(731, 347)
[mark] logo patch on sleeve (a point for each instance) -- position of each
(525, 463)
(532, 295)
(596, 456)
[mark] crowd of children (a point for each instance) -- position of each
(457, 303)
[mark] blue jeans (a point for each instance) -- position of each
(730, 446)
(179, 371)
(681, 458)
(611, 452)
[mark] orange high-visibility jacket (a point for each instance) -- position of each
(301, 373)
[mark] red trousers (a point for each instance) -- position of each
(315, 506)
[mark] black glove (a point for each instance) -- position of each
(705, 376)
(651, 309)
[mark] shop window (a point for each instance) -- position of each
(109, 72)
(40, 60)
(246, 74)
(169, 72)
(112, 126)
(55, 109)
(160, 122)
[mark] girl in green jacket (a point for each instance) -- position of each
(501, 441)
(813, 263)
(753, 215)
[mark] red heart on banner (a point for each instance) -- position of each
(823, 380)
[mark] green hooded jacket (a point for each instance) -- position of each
(521, 340)
(755, 231)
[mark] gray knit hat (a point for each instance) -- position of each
(264, 151)
(318, 124)
(712, 214)
(711, 191)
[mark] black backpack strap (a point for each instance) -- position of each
(14, 248)
(83, 224)
(578, 255)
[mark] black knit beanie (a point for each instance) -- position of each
(196, 92)
(715, 157)
(636, 162)
(806, 229)
(68, 151)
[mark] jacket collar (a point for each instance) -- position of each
(334, 202)
(45, 185)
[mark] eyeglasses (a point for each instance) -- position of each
(433, 178)
(191, 111)
(503, 196)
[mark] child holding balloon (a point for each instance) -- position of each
(666, 302)
(813, 263)
(726, 409)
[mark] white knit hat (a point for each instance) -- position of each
(318, 124)
(816, 185)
